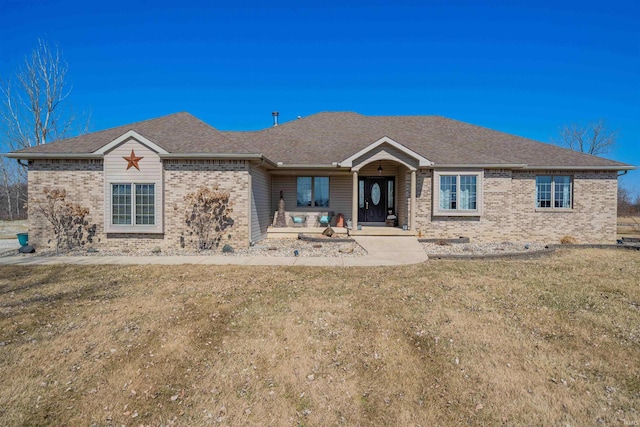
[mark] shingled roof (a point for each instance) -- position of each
(176, 133)
(326, 138)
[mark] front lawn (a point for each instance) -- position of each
(552, 341)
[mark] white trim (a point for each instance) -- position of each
(127, 135)
(458, 212)
(133, 228)
(552, 194)
(422, 162)
(384, 157)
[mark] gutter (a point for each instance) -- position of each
(527, 167)
(583, 168)
(35, 156)
(478, 166)
(187, 156)
(311, 166)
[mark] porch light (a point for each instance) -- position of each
(380, 170)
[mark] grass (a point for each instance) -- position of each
(628, 226)
(9, 229)
(541, 342)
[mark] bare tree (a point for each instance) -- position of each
(33, 111)
(594, 138)
(626, 205)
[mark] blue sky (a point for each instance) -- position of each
(522, 67)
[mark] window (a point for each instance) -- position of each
(313, 191)
(121, 204)
(457, 193)
(145, 204)
(133, 202)
(553, 192)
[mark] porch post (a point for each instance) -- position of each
(412, 218)
(354, 202)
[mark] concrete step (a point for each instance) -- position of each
(381, 231)
(392, 250)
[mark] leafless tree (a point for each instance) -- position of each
(594, 138)
(626, 205)
(33, 110)
(8, 175)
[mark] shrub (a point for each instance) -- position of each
(568, 240)
(207, 216)
(69, 220)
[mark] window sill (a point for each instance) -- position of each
(312, 208)
(555, 210)
(475, 213)
(129, 229)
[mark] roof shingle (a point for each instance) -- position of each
(176, 133)
(325, 138)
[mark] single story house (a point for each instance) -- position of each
(440, 177)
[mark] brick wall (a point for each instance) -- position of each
(184, 176)
(509, 211)
(83, 181)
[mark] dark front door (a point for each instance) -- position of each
(372, 200)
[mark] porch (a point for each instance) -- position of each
(374, 193)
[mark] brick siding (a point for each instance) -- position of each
(83, 181)
(509, 211)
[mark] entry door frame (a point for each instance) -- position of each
(368, 212)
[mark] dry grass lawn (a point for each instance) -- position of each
(629, 226)
(9, 229)
(553, 341)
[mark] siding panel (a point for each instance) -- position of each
(340, 188)
(115, 170)
(261, 204)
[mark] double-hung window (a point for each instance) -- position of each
(133, 204)
(313, 191)
(553, 192)
(457, 193)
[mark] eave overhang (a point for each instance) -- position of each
(527, 167)
(44, 156)
(221, 156)
(281, 165)
(479, 166)
(583, 168)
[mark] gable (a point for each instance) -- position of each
(115, 166)
(130, 135)
(386, 149)
(119, 170)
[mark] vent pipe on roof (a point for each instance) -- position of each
(275, 115)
